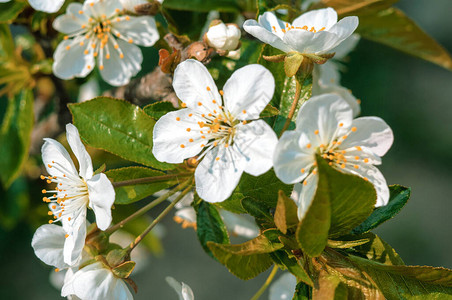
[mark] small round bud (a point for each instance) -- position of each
(223, 37)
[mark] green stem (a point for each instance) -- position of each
(157, 220)
(266, 284)
(149, 206)
(148, 179)
(293, 107)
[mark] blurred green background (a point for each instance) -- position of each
(415, 99)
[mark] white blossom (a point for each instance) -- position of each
(224, 37)
(75, 191)
(183, 290)
(98, 33)
(325, 126)
(96, 282)
(315, 32)
(48, 6)
(226, 134)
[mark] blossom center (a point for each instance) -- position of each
(99, 34)
(291, 27)
(334, 154)
(68, 197)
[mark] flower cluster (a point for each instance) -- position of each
(75, 192)
(215, 136)
(98, 32)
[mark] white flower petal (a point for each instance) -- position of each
(141, 30)
(263, 34)
(376, 178)
(319, 18)
(97, 283)
(84, 160)
(193, 85)
(183, 290)
(101, 198)
(344, 28)
(49, 6)
(118, 71)
(53, 151)
(73, 62)
(347, 46)
(325, 75)
(102, 7)
(72, 21)
(248, 91)
(306, 194)
(240, 225)
(169, 134)
(217, 179)
(304, 41)
(283, 288)
(74, 243)
(48, 243)
(256, 141)
(344, 93)
(372, 133)
(272, 24)
(292, 156)
(324, 113)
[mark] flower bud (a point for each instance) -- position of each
(223, 37)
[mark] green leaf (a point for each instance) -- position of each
(329, 287)
(257, 209)
(302, 292)
(340, 203)
(312, 231)
(203, 5)
(408, 282)
(304, 83)
(15, 136)
(118, 127)
(399, 196)
(292, 265)
(357, 7)
(124, 270)
(347, 243)
(277, 70)
(264, 187)
(210, 226)
(286, 213)
(133, 193)
(6, 41)
(378, 250)
(159, 109)
(10, 10)
(352, 198)
(269, 111)
(14, 204)
(245, 260)
(393, 28)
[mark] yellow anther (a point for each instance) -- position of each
(356, 166)
(177, 119)
(217, 159)
(208, 89)
(353, 129)
(302, 170)
(182, 145)
(308, 145)
(316, 132)
(366, 160)
(190, 140)
(341, 124)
